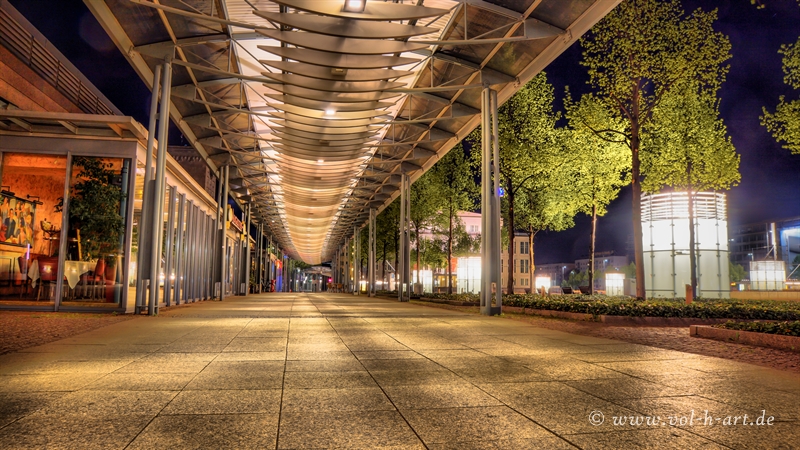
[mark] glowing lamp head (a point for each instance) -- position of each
(355, 5)
(330, 112)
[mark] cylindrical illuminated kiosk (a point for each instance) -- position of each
(665, 235)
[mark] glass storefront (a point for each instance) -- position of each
(95, 256)
(71, 218)
(63, 223)
(30, 226)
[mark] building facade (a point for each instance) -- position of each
(72, 170)
(779, 239)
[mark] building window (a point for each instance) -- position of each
(524, 266)
(524, 248)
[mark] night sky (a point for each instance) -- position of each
(770, 175)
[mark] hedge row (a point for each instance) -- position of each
(783, 328)
(625, 306)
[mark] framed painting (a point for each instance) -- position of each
(17, 217)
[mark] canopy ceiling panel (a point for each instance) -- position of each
(318, 106)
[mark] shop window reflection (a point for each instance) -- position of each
(30, 226)
(94, 262)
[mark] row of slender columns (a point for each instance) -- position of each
(188, 251)
(490, 205)
(154, 192)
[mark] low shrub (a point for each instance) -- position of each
(627, 306)
(782, 328)
(466, 297)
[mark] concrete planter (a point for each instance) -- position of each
(791, 343)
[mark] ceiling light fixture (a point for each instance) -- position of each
(320, 161)
(330, 112)
(354, 5)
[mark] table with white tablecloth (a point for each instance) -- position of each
(72, 271)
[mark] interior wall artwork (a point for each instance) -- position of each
(17, 218)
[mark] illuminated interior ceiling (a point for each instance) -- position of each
(318, 106)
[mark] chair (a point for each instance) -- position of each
(96, 278)
(21, 277)
(48, 273)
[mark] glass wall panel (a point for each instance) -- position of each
(95, 255)
(30, 226)
(138, 192)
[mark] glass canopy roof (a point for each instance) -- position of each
(318, 106)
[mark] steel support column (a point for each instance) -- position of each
(169, 263)
(259, 257)
(356, 260)
(371, 259)
(248, 269)
(159, 187)
(490, 206)
(404, 263)
(143, 255)
(346, 256)
(222, 238)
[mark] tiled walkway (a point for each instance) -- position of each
(337, 371)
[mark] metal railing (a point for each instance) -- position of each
(34, 52)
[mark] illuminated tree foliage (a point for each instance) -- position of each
(638, 53)
(424, 207)
(602, 162)
(531, 155)
(387, 238)
(455, 190)
(784, 123)
(690, 150)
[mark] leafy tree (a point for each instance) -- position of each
(784, 123)
(545, 207)
(530, 153)
(94, 208)
(690, 150)
(736, 272)
(629, 271)
(387, 237)
(576, 279)
(425, 202)
(433, 253)
(636, 55)
(601, 167)
(452, 179)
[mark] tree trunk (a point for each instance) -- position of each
(638, 248)
(450, 251)
(396, 256)
(510, 279)
(383, 267)
(591, 247)
(532, 278)
(419, 274)
(692, 252)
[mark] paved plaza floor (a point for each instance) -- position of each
(337, 371)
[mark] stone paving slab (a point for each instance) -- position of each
(291, 371)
